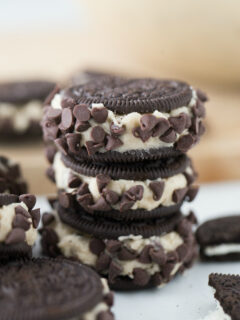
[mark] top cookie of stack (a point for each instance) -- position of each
(116, 119)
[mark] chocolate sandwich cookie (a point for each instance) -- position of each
(114, 119)
(219, 239)
(124, 191)
(130, 255)
(19, 221)
(227, 294)
(53, 289)
(11, 180)
(21, 108)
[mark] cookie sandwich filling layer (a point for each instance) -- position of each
(107, 194)
(21, 116)
(222, 249)
(128, 256)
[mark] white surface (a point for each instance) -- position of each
(187, 297)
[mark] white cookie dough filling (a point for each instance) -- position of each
(22, 116)
(129, 122)
(178, 181)
(7, 214)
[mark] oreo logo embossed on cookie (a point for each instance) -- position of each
(113, 119)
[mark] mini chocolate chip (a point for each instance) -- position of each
(15, 236)
(92, 147)
(199, 110)
(116, 130)
(100, 205)
(50, 130)
(111, 196)
(61, 145)
(148, 122)
(109, 299)
(195, 125)
(54, 114)
(157, 279)
(202, 95)
(172, 256)
(167, 269)
(126, 254)
(21, 222)
(67, 119)
(51, 174)
(98, 134)
(47, 218)
(68, 103)
(49, 242)
(103, 262)
(126, 204)
(81, 112)
(114, 270)
(158, 255)
(113, 143)
(192, 193)
(143, 135)
(73, 181)
(162, 126)
(50, 152)
(189, 177)
(144, 256)
(85, 200)
(73, 142)
(99, 114)
(81, 126)
(35, 217)
(192, 218)
(102, 181)
(178, 123)
(169, 136)
(96, 246)
(179, 195)
(20, 210)
(105, 315)
(182, 251)
(141, 277)
(28, 199)
(83, 189)
(113, 246)
(65, 199)
(184, 228)
(135, 193)
(157, 188)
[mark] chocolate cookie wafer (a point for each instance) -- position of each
(21, 108)
(227, 295)
(53, 289)
(19, 221)
(130, 255)
(11, 180)
(114, 119)
(219, 239)
(124, 191)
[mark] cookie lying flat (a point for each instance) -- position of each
(114, 119)
(227, 294)
(124, 191)
(131, 256)
(48, 289)
(18, 226)
(11, 180)
(219, 239)
(21, 108)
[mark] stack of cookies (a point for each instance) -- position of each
(117, 149)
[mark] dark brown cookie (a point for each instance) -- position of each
(11, 180)
(227, 293)
(53, 289)
(219, 232)
(25, 91)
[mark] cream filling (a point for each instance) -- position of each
(72, 244)
(7, 214)
(222, 249)
(21, 116)
(178, 181)
(131, 121)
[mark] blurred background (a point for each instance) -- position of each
(197, 41)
